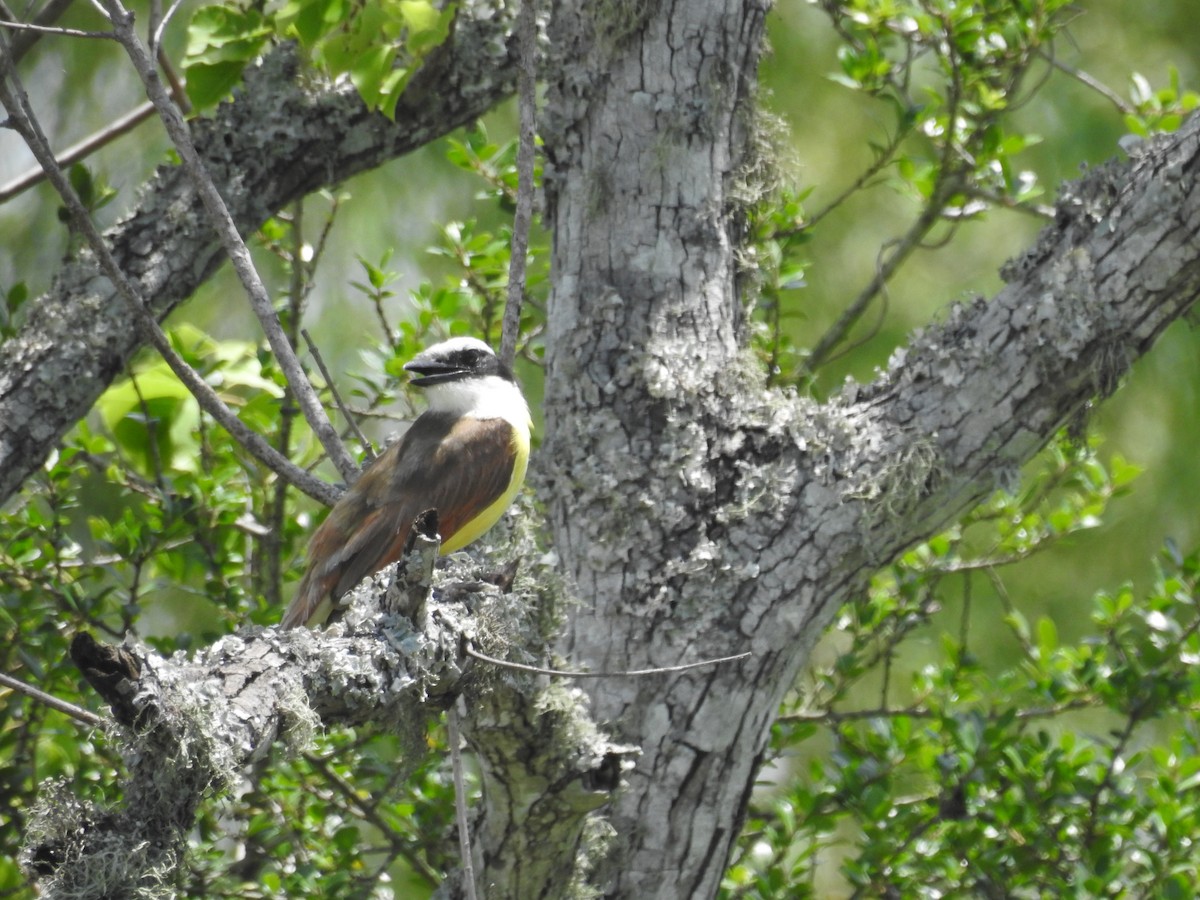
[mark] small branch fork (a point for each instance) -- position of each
(231, 240)
(624, 673)
(23, 120)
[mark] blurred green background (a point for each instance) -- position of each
(80, 86)
(1152, 421)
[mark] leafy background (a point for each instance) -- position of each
(1010, 712)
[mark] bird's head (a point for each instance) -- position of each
(458, 359)
(463, 376)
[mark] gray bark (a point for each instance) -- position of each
(697, 513)
(188, 727)
(700, 514)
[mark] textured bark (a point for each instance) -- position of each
(187, 727)
(279, 140)
(700, 514)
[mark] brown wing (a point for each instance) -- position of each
(457, 466)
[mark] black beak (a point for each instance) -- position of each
(432, 372)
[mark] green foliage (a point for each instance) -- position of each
(951, 71)
(150, 519)
(94, 194)
(949, 78)
(776, 258)
(1065, 768)
(10, 308)
(1159, 111)
(378, 44)
(377, 827)
(221, 40)
(1005, 754)
(92, 191)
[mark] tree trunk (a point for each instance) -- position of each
(700, 515)
(697, 513)
(649, 408)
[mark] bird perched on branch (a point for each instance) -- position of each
(465, 457)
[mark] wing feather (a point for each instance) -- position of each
(458, 466)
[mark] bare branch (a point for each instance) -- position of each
(522, 218)
(156, 39)
(231, 240)
(82, 150)
(87, 717)
(1122, 106)
(21, 43)
(890, 260)
(21, 115)
(627, 673)
(351, 422)
(62, 32)
(460, 801)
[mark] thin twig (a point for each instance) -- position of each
(834, 717)
(98, 5)
(62, 32)
(271, 546)
(178, 88)
(87, 717)
(626, 673)
(25, 123)
(351, 795)
(48, 15)
(231, 241)
(460, 802)
(337, 398)
(1094, 83)
(882, 159)
(1042, 211)
(527, 105)
(886, 268)
(83, 149)
(151, 424)
(153, 23)
(156, 40)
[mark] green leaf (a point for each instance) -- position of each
(221, 40)
(208, 85)
(419, 15)
(1047, 637)
(368, 70)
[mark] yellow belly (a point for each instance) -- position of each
(491, 515)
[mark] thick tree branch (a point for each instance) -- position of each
(277, 141)
(969, 401)
(701, 513)
(187, 727)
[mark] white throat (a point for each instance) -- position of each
(490, 397)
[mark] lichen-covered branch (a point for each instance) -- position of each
(545, 768)
(279, 139)
(187, 727)
(702, 514)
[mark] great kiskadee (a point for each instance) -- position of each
(465, 456)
